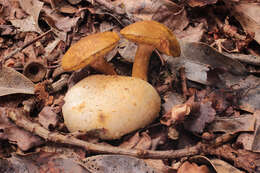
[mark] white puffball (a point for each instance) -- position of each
(112, 105)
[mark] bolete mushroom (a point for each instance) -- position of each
(90, 51)
(113, 106)
(149, 35)
(110, 105)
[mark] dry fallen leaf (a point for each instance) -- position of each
(249, 99)
(33, 8)
(26, 25)
(164, 11)
(178, 114)
(23, 139)
(116, 164)
(12, 82)
(41, 162)
(242, 123)
(188, 167)
(48, 118)
(205, 65)
(224, 167)
(248, 16)
(200, 119)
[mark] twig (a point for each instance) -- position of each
(243, 159)
(58, 85)
(20, 120)
(185, 91)
(23, 47)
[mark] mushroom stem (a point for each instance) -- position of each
(103, 66)
(141, 62)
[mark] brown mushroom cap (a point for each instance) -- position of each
(112, 105)
(153, 33)
(89, 48)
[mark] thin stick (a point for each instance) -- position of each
(37, 129)
(241, 158)
(24, 46)
(185, 91)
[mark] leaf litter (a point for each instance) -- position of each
(219, 42)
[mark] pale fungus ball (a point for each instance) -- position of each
(111, 105)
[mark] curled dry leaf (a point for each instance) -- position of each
(145, 142)
(205, 114)
(192, 168)
(171, 99)
(12, 82)
(177, 114)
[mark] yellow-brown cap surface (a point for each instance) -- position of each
(87, 49)
(153, 33)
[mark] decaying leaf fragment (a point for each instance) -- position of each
(203, 64)
(116, 163)
(192, 168)
(224, 167)
(201, 118)
(23, 139)
(12, 82)
(244, 123)
(41, 162)
(177, 114)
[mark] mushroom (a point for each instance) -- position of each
(149, 35)
(90, 51)
(111, 106)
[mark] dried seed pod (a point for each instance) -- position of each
(35, 70)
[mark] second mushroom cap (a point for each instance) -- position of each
(153, 33)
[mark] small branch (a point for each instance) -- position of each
(37, 129)
(58, 85)
(185, 91)
(24, 46)
(241, 158)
